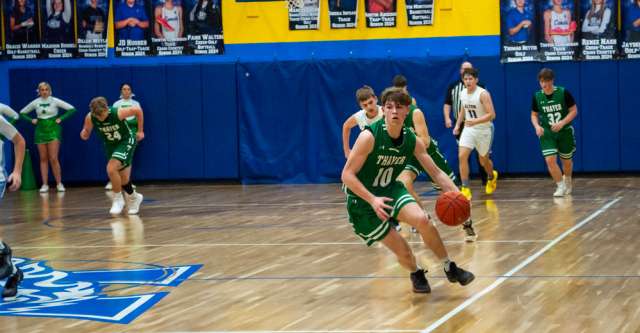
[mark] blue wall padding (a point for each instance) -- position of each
(279, 121)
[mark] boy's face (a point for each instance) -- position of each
(370, 105)
(470, 81)
(395, 113)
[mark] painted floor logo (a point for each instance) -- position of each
(46, 292)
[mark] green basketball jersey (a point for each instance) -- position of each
(386, 161)
(551, 111)
(113, 130)
(408, 122)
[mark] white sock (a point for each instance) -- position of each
(560, 184)
(447, 264)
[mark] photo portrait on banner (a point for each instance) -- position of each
(558, 29)
(132, 27)
(381, 13)
(343, 14)
(598, 27)
(22, 29)
(92, 28)
(518, 31)
(204, 27)
(304, 14)
(168, 33)
(58, 33)
(419, 12)
(630, 29)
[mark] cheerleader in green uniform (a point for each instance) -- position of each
(48, 132)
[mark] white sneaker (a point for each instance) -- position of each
(134, 203)
(44, 188)
(118, 204)
(60, 188)
(560, 190)
(108, 187)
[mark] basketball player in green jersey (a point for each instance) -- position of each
(120, 144)
(374, 195)
(552, 110)
(418, 124)
(126, 100)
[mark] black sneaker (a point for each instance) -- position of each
(6, 266)
(456, 274)
(420, 283)
(11, 287)
(469, 233)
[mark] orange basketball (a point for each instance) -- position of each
(452, 208)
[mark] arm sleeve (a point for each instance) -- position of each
(26, 110)
(69, 109)
(534, 105)
(8, 111)
(7, 130)
(568, 99)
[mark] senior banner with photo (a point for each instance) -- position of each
(168, 32)
(419, 12)
(343, 14)
(58, 33)
(92, 28)
(598, 29)
(630, 37)
(558, 30)
(204, 27)
(381, 13)
(132, 27)
(518, 36)
(22, 29)
(304, 14)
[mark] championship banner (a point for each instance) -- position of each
(419, 12)
(630, 36)
(92, 28)
(558, 30)
(598, 29)
(381, 13)
(22, 29)
(304, 14)
(58, 33)
(518, 31)
(132, 28)
(343, 14)
(204, 28)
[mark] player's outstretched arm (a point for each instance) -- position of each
(432, 169)
(87, 128)
(346, 131)
(361, 149)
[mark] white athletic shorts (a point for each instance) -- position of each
(478, 138)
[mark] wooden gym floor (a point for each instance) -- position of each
(284, 258)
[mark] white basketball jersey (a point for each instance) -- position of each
(473, 108)
(363, 120)
(560, 21)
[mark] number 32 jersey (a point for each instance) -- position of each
(386, 160)
(113, 130)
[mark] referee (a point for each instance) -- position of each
(452, 100)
